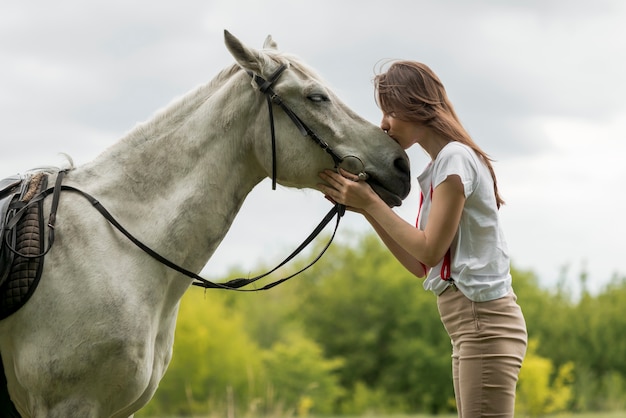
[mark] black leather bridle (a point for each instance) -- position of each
(338, 210)
(265, 86)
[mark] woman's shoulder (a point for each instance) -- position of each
(459, 159)
(454, 148)
(456, 153)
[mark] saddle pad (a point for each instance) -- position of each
(25, 272)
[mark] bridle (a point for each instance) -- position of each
(265, 87)
(338, 210)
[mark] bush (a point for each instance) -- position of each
(543, 390)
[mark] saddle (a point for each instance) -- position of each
(21, 245)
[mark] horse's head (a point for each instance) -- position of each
(309, 107)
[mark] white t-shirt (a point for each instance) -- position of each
(480, 264)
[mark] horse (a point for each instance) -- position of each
(96, 337)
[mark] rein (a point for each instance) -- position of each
(338, 210)
(234, 284)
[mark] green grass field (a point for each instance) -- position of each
(621, 414)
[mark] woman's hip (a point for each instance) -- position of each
(496, 320)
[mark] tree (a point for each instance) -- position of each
(589, 332)
(371, 312)
(301, 378)
(542, 389)
(212, 368)
(357, 333)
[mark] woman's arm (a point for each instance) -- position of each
(403, 239)
(430, 245)
(409, 262)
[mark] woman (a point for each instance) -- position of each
(457, 245)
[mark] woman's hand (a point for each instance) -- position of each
(345, 188)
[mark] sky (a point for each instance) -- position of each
(539, 84)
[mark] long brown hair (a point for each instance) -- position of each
(411, 91)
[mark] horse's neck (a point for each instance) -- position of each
(180, 179)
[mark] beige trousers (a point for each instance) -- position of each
(488, 345)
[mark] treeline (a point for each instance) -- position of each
(358, 334)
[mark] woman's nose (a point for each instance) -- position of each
(384, 124)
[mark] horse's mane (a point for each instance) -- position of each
(189, 101)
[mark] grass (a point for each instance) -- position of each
(621, 414)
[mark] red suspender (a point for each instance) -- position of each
(417, 225)
(445, 267)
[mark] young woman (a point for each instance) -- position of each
(457, 245)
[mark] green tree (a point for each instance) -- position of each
(270, 315)
(357, 333)
(589, 332)
(601, 347)
(212, 368)
(542, 389)
(606, 330)
(371, 312)
(302, 380)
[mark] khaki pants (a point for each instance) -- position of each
(488, 345)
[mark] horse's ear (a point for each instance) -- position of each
(248, 58)
(270, 43)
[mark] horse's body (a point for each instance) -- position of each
(96, 337)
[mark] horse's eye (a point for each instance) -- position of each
(318, 97)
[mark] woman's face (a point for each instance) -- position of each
(403, 132)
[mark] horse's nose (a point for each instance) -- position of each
(403, 167)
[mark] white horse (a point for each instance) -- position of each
(96, 337)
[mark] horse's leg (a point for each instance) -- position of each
(69, 408)
(7, 407)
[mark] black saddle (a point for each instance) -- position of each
(21, 233)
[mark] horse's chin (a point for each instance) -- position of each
(390, 198)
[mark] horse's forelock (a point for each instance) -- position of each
(297, 64)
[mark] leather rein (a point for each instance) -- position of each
(338, 210)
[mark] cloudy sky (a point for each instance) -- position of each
(538, 83)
